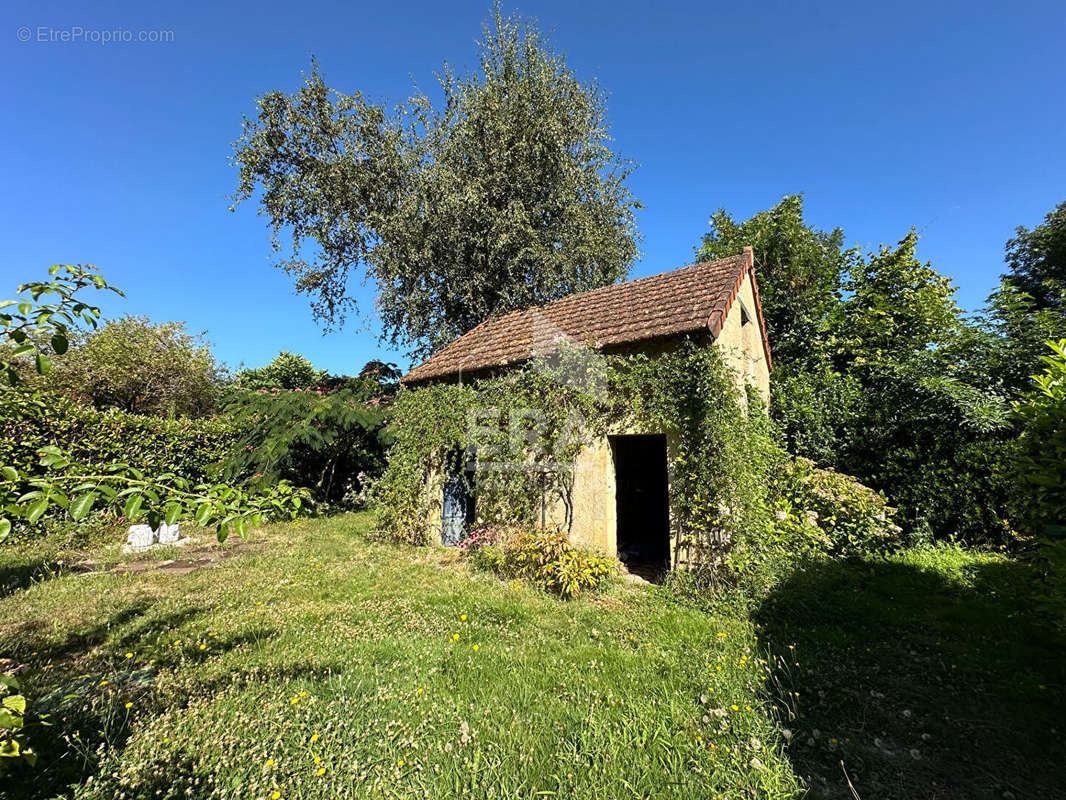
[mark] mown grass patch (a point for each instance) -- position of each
(323, 665)
(924, 675)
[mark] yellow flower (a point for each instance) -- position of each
(321, 770)
(177, 642)
(303, 694)
(129, 705)
(462, 617)
(318, 760)
(294, 701)
(103, 683)
(129, 655)
(270, 762)
(721, 635)
(477, 647)
(735, 708)
(419, 691)
(399, 763)
(314, 738)
(275, 796)
(203, 647)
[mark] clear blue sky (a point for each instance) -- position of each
(944, 116)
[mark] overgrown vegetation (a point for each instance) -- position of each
(740, 507)
(880, 375)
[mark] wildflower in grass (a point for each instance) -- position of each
(103, 683)
(275, 795)
(399, 763)
(129, 705)
(462, 617)
(476, 647)
(129, 655)
(203, 647)
(419, 691)
(321, 770)
(303, 694)
(294, 701)
(735, 707)
(721, 635)
(314, 738)
(269, 762)
(318, 759)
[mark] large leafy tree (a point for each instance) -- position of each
(799, 269)
(145, 368)
(1036, 261)
(286, 371)
(1029, 307)
(505, 194)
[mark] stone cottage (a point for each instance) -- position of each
(620, 497)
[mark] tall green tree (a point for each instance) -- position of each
(799, 269)
(506, 194)
(142, 367)
(286, 371)
(1036, 261)
(1029, 306)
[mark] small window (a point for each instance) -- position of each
(745, 317)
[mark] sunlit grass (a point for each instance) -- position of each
(324, 666)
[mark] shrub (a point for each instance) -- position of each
(191, 449)
(329, 442)
(547, 559)
(823, 511)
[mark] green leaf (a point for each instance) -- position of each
(37, 509)
(5, 528)
(44, 364)
(9, 721)
(203, 514)
(15, 702)
(172, 513)
(10, 473)
(132, 509)
(82, 505)
(60, 344)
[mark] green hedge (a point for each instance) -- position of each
(185, 447)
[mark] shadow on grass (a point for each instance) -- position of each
(923, 686)
(16, 577)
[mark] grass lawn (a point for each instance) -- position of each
(315, 664)
(306, 662)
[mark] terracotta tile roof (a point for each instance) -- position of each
(693, 298)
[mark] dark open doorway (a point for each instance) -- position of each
(642, 500)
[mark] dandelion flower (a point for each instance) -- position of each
(476, 647)
(318, 759)
(177, 642)
(314, 738)
(129, 655)
(203, 647)
(129, 705)
(270, 762)
(275, 795)
(321, 770)
(103, 683)
(721, 635)
(462, 617)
